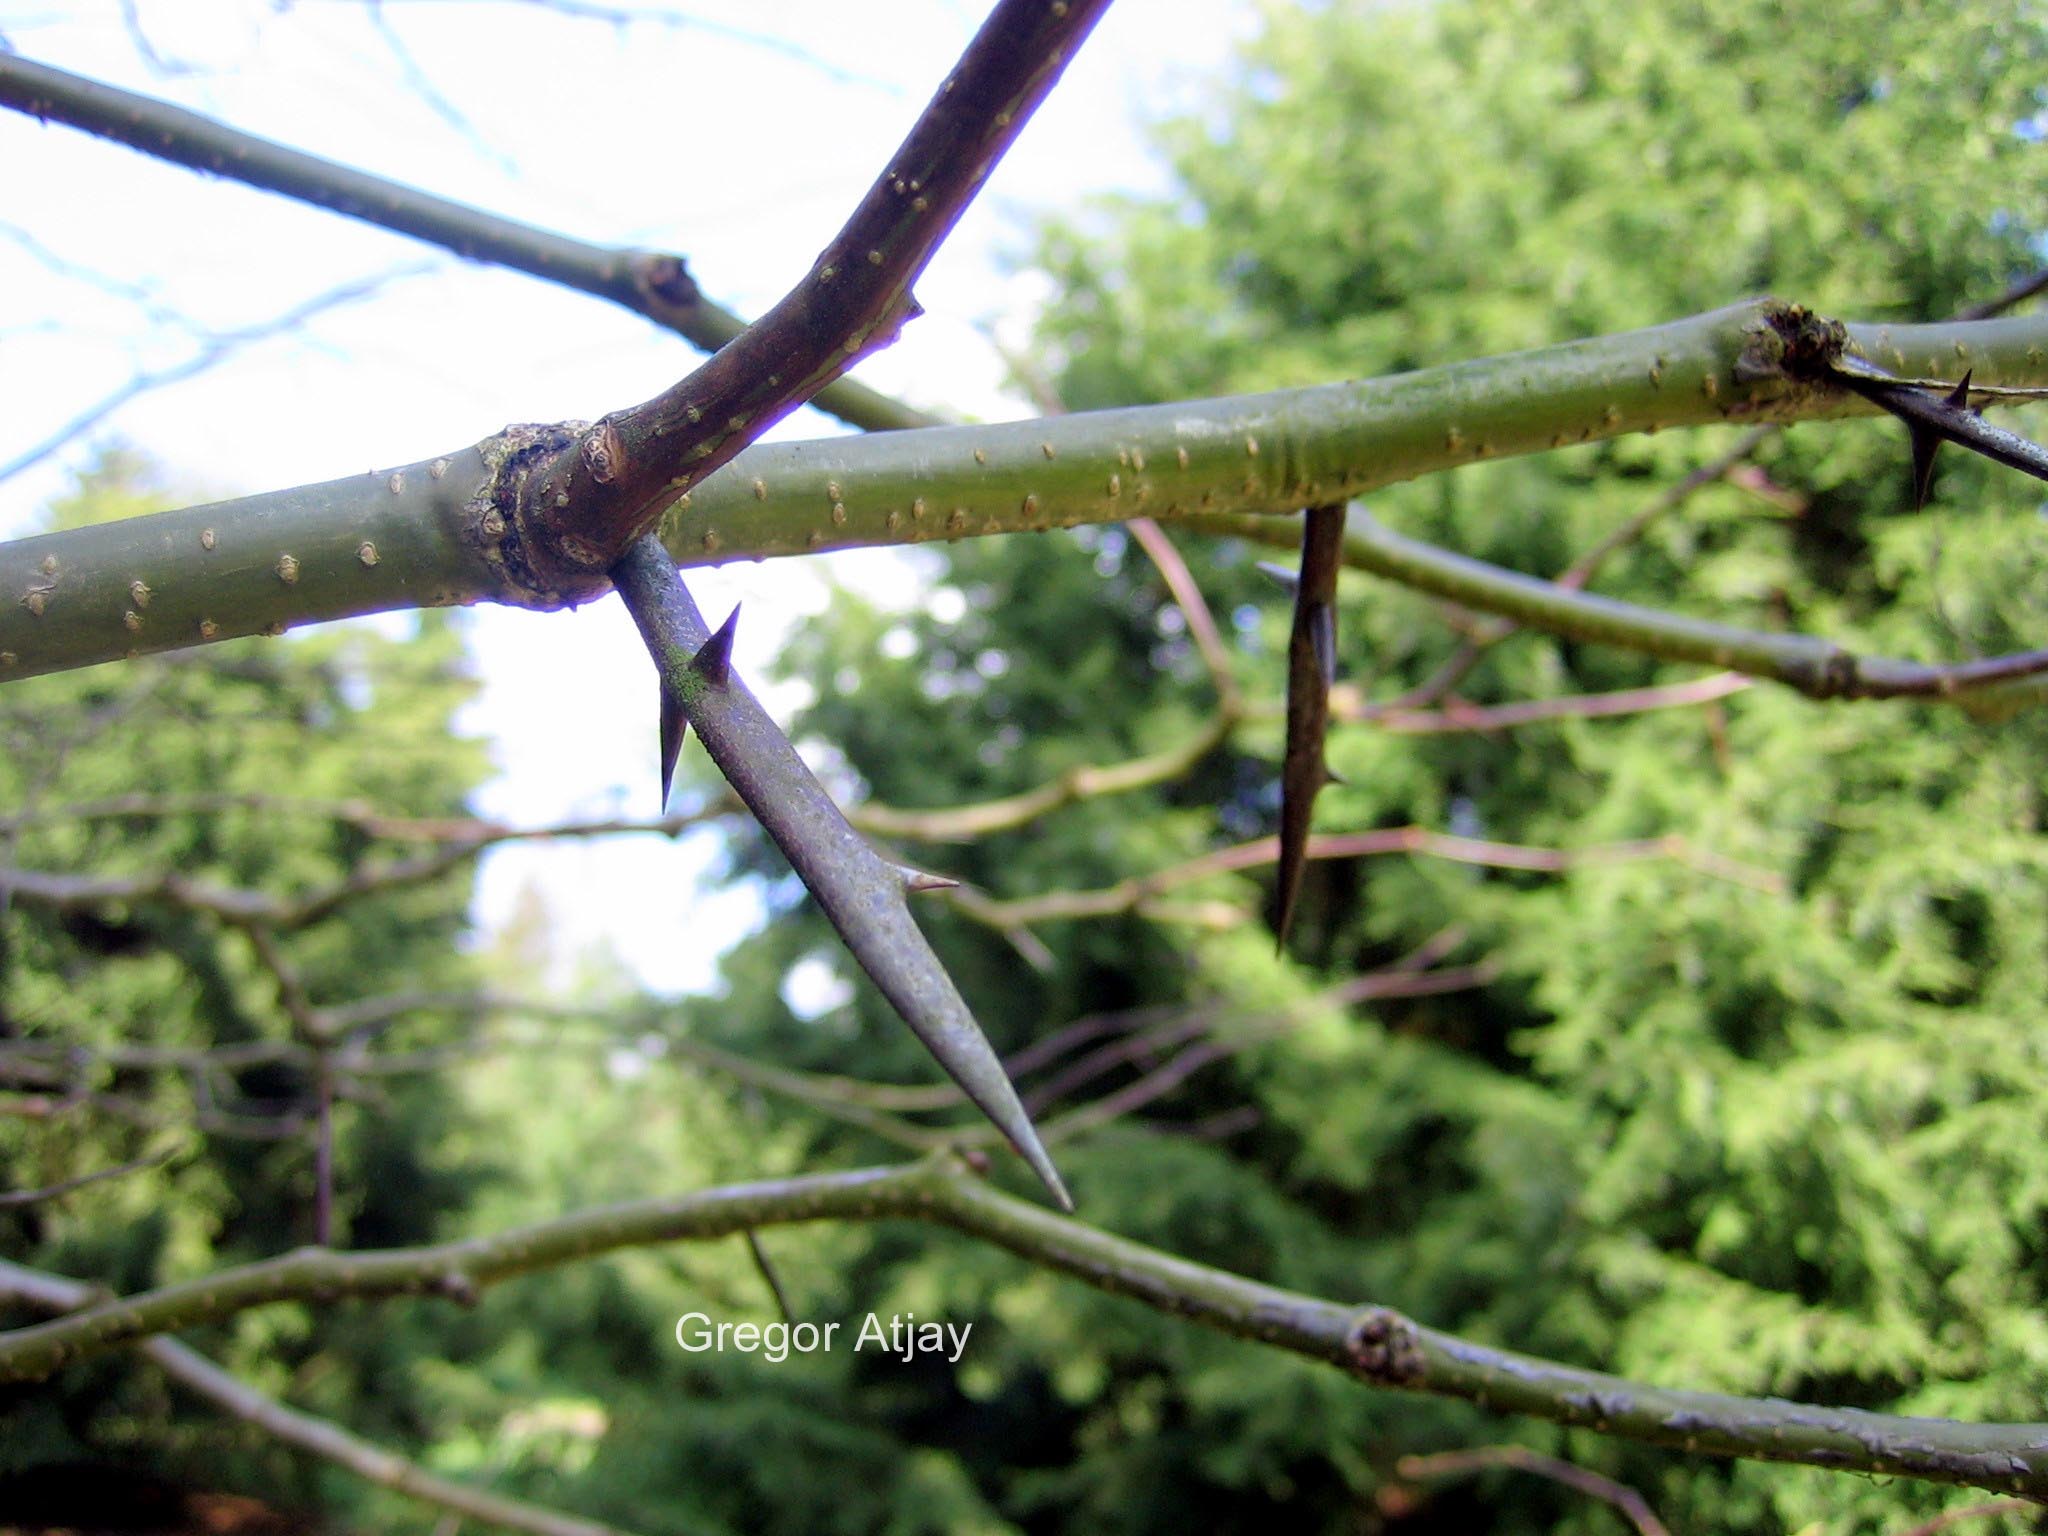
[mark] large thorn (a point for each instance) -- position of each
(1926, 441)
(861, 893)
(1311, 668)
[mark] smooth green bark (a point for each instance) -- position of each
(424, 535)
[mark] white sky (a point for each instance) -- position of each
(743, 156)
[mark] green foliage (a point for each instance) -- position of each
(1773, 1141)
(1777, 1140)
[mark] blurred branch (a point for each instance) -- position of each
(318, 1437)
(214, 348)
(1402, 720)
(1375, 1345)
(423, 86)
(13, 1199)
(1519, 1458)
(1817, 668)
(238, 905)
(965, 823)
(1138, 893)
(649, 283)
(2022, 290)
(622, 18)
(1180, 581)
(1150, 537)
(1576, 576)
(2019, 1509)
(159, 63)
(768, 1276)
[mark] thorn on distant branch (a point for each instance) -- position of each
(1311, 668)
(1926, 441)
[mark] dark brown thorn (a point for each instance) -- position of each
(1311, 662)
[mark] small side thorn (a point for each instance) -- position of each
(1284, 576)
(1322, 628)
(917, 881)
(673, 727)
(713, 661)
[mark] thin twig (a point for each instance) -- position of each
(13, 1199)
(1138, 893)
(2026, 1509)
(768, 1275)
(1519, 1458)
(1815, 667)
(214, 349)
(650, 283)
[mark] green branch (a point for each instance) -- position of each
(1374, 1344)
(1817, 668)
(424, 535)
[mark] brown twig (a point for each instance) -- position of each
(574, 511)
(1580, 573)
(1457, 716)
(13, 1199)
(1139, 892)
(1519, 1458)
(1180, 581)
(768, 1275)
(2025, 1509)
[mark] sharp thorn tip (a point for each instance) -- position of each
(1286, 576)
(673, 728)
(1925, 442)
(917, 881)
(713, 660)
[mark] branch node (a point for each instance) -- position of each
(1384, 1347)
(493, 527)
